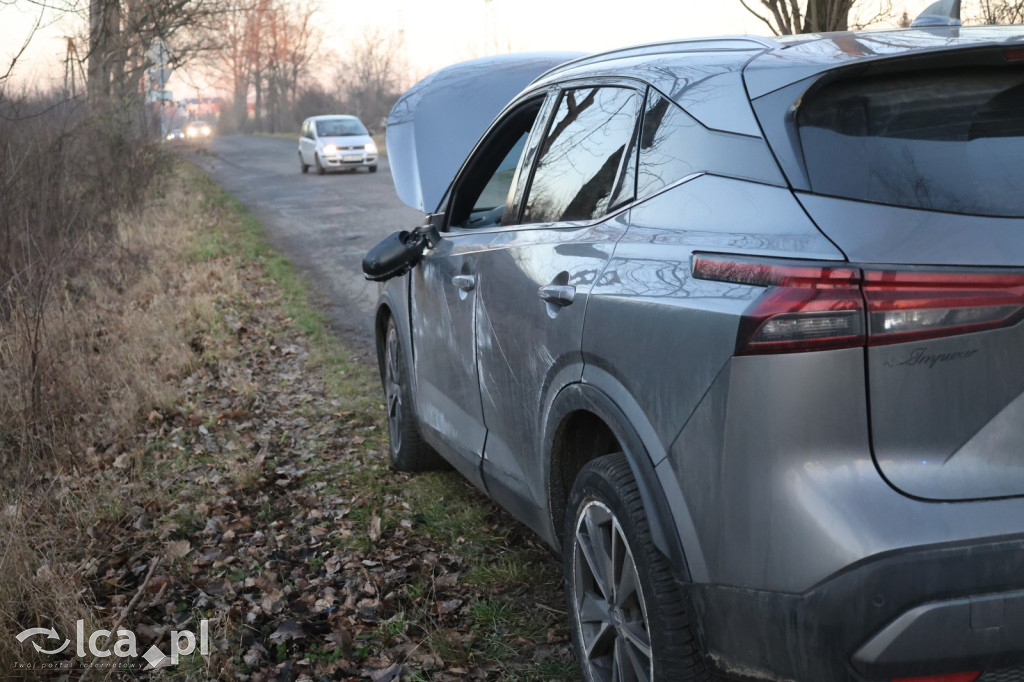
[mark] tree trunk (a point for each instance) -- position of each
(104, 34)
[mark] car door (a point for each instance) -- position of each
(431, 130)
(306, 143)
(444, 293)
(447, 396)
(534, 276)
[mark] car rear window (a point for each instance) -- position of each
(946, 140)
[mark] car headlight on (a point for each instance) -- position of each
(206, 130)
(330, 149)
(371, 147)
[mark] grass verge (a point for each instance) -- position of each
(247, 487)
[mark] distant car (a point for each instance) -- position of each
(176, 135)
(336, 142)
(737, 325)
(198, 130)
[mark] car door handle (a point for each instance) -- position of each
(464, 282)
(558, 294)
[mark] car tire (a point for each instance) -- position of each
(373, 168)
(406, 447)
(320, 170)
(302, 164)
(635, 625)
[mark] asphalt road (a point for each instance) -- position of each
(324, 224)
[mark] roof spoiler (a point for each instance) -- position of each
(941, 13)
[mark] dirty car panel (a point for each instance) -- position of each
(772, 419)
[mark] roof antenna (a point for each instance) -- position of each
(941, 13)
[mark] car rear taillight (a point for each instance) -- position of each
(1015, 54)
(915, 305)
(955, 677)
(823, 306)
(808, 306)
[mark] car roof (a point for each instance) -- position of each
(798, 58)
(437, 122)
(332, 117)
(772, 63)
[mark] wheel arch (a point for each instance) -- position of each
(393, 304)
(583, 410)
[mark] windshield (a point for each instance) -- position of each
(339, 127)
(946, 140)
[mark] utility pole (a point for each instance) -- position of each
(158, 75)
(73, 74)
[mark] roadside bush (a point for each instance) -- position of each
(95, 340)
(66, 180)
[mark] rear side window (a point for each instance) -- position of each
(674, 145)
(948, 140)
(580, 159)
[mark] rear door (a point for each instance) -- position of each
(917, 176)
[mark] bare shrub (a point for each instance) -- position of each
(112, 348)
(66, 180)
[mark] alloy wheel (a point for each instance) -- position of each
(613, 623)
(393, 389)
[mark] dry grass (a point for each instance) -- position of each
(112, 347)
(189, 380)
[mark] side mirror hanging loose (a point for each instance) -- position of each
(397, 253)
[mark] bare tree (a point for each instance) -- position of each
(999, 12)
(371, 76)
(788, 17)
(265, 48)
(6, 74)
(121, 33)
(291, 41)
(104, 39)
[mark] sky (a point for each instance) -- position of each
(440, 32)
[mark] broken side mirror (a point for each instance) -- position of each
(398, 253)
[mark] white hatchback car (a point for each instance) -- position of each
(334, 141)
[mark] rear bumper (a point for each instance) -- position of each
(933, 610)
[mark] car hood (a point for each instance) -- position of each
(436, 124)
(346, 140)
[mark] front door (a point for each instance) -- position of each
(535, 276)
(444, 353)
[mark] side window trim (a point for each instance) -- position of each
(517, 197)
(632, 155)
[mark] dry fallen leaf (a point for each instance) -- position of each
(287, 630)
(177, 549)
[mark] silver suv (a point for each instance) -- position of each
(734, 325)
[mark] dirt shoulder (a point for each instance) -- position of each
(255, 496)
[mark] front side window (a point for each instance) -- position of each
(581, 156)
(483, 193)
